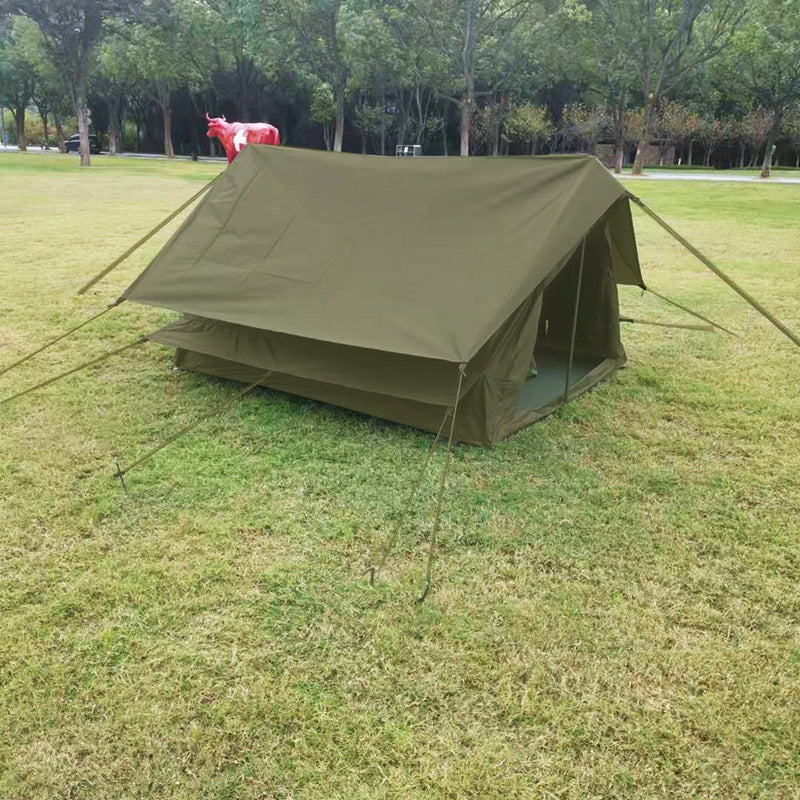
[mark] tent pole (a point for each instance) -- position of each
(120, 473)
(117, 261)
(575, 321)
(59, 338)
(374, 570)
(438, 515)
(689, 311)
(140, 340)
(716, 270)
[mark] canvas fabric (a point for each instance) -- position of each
(369, 282)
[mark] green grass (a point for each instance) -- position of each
(616, 610)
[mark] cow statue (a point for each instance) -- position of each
(235, 135)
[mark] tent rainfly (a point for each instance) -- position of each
(402, 287)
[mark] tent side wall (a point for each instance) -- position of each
(499, 395)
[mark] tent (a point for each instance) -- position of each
(403, 288)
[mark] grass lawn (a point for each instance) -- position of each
(616, 609)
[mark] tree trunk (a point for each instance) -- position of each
(774, 133)
(382, 100)
(19, 122)
(444, 131)
(338, 134)
(166, 113)
(79, 103)
(62, 147)
(467, 107)
(113, 148)
(44, 126)
(466, 119)
(619, 158)
(495, 122)
(641, 147)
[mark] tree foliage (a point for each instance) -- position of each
(477, 76)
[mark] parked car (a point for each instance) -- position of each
(73, 144)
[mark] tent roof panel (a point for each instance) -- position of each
(422, 256)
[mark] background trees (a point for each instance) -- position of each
(70, 33)
(694, 79)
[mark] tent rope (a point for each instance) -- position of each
(689, 311)
(120, 473)
(117, 261)
(437, 517)
(716, 270)
(59, 338)
(140, 340)
(704, 328)
(374, 570)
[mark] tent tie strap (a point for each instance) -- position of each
(689, 311)
(134, 247)
(716, 270)
(120, 473)
(450, 413)
(62, 336)
(373, 570)
(445, 470)
(72, 371)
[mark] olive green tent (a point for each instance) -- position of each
(389, 286)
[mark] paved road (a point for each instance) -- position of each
(654, 175)
(722, 177)
(53, 151)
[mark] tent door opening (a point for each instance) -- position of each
(595, 337)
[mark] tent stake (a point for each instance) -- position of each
(689, 311)
(140, 340)
(59, 338)
(716, 270)
(438, 515)
(120, 473)
(374, 570)
(117, 261)
(575, 321)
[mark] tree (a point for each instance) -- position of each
(791, 129)
(17, 74)
(475, 35)
(323, 110)
(160, 66)
(756, 127)
(70, 32)
(713, 132)
(113, 81)
(528, 124)
(765, 62)
(319, 28)
(667, 40)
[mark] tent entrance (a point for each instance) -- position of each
(551, 375)
(596, 329)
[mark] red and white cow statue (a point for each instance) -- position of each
(235, 135)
